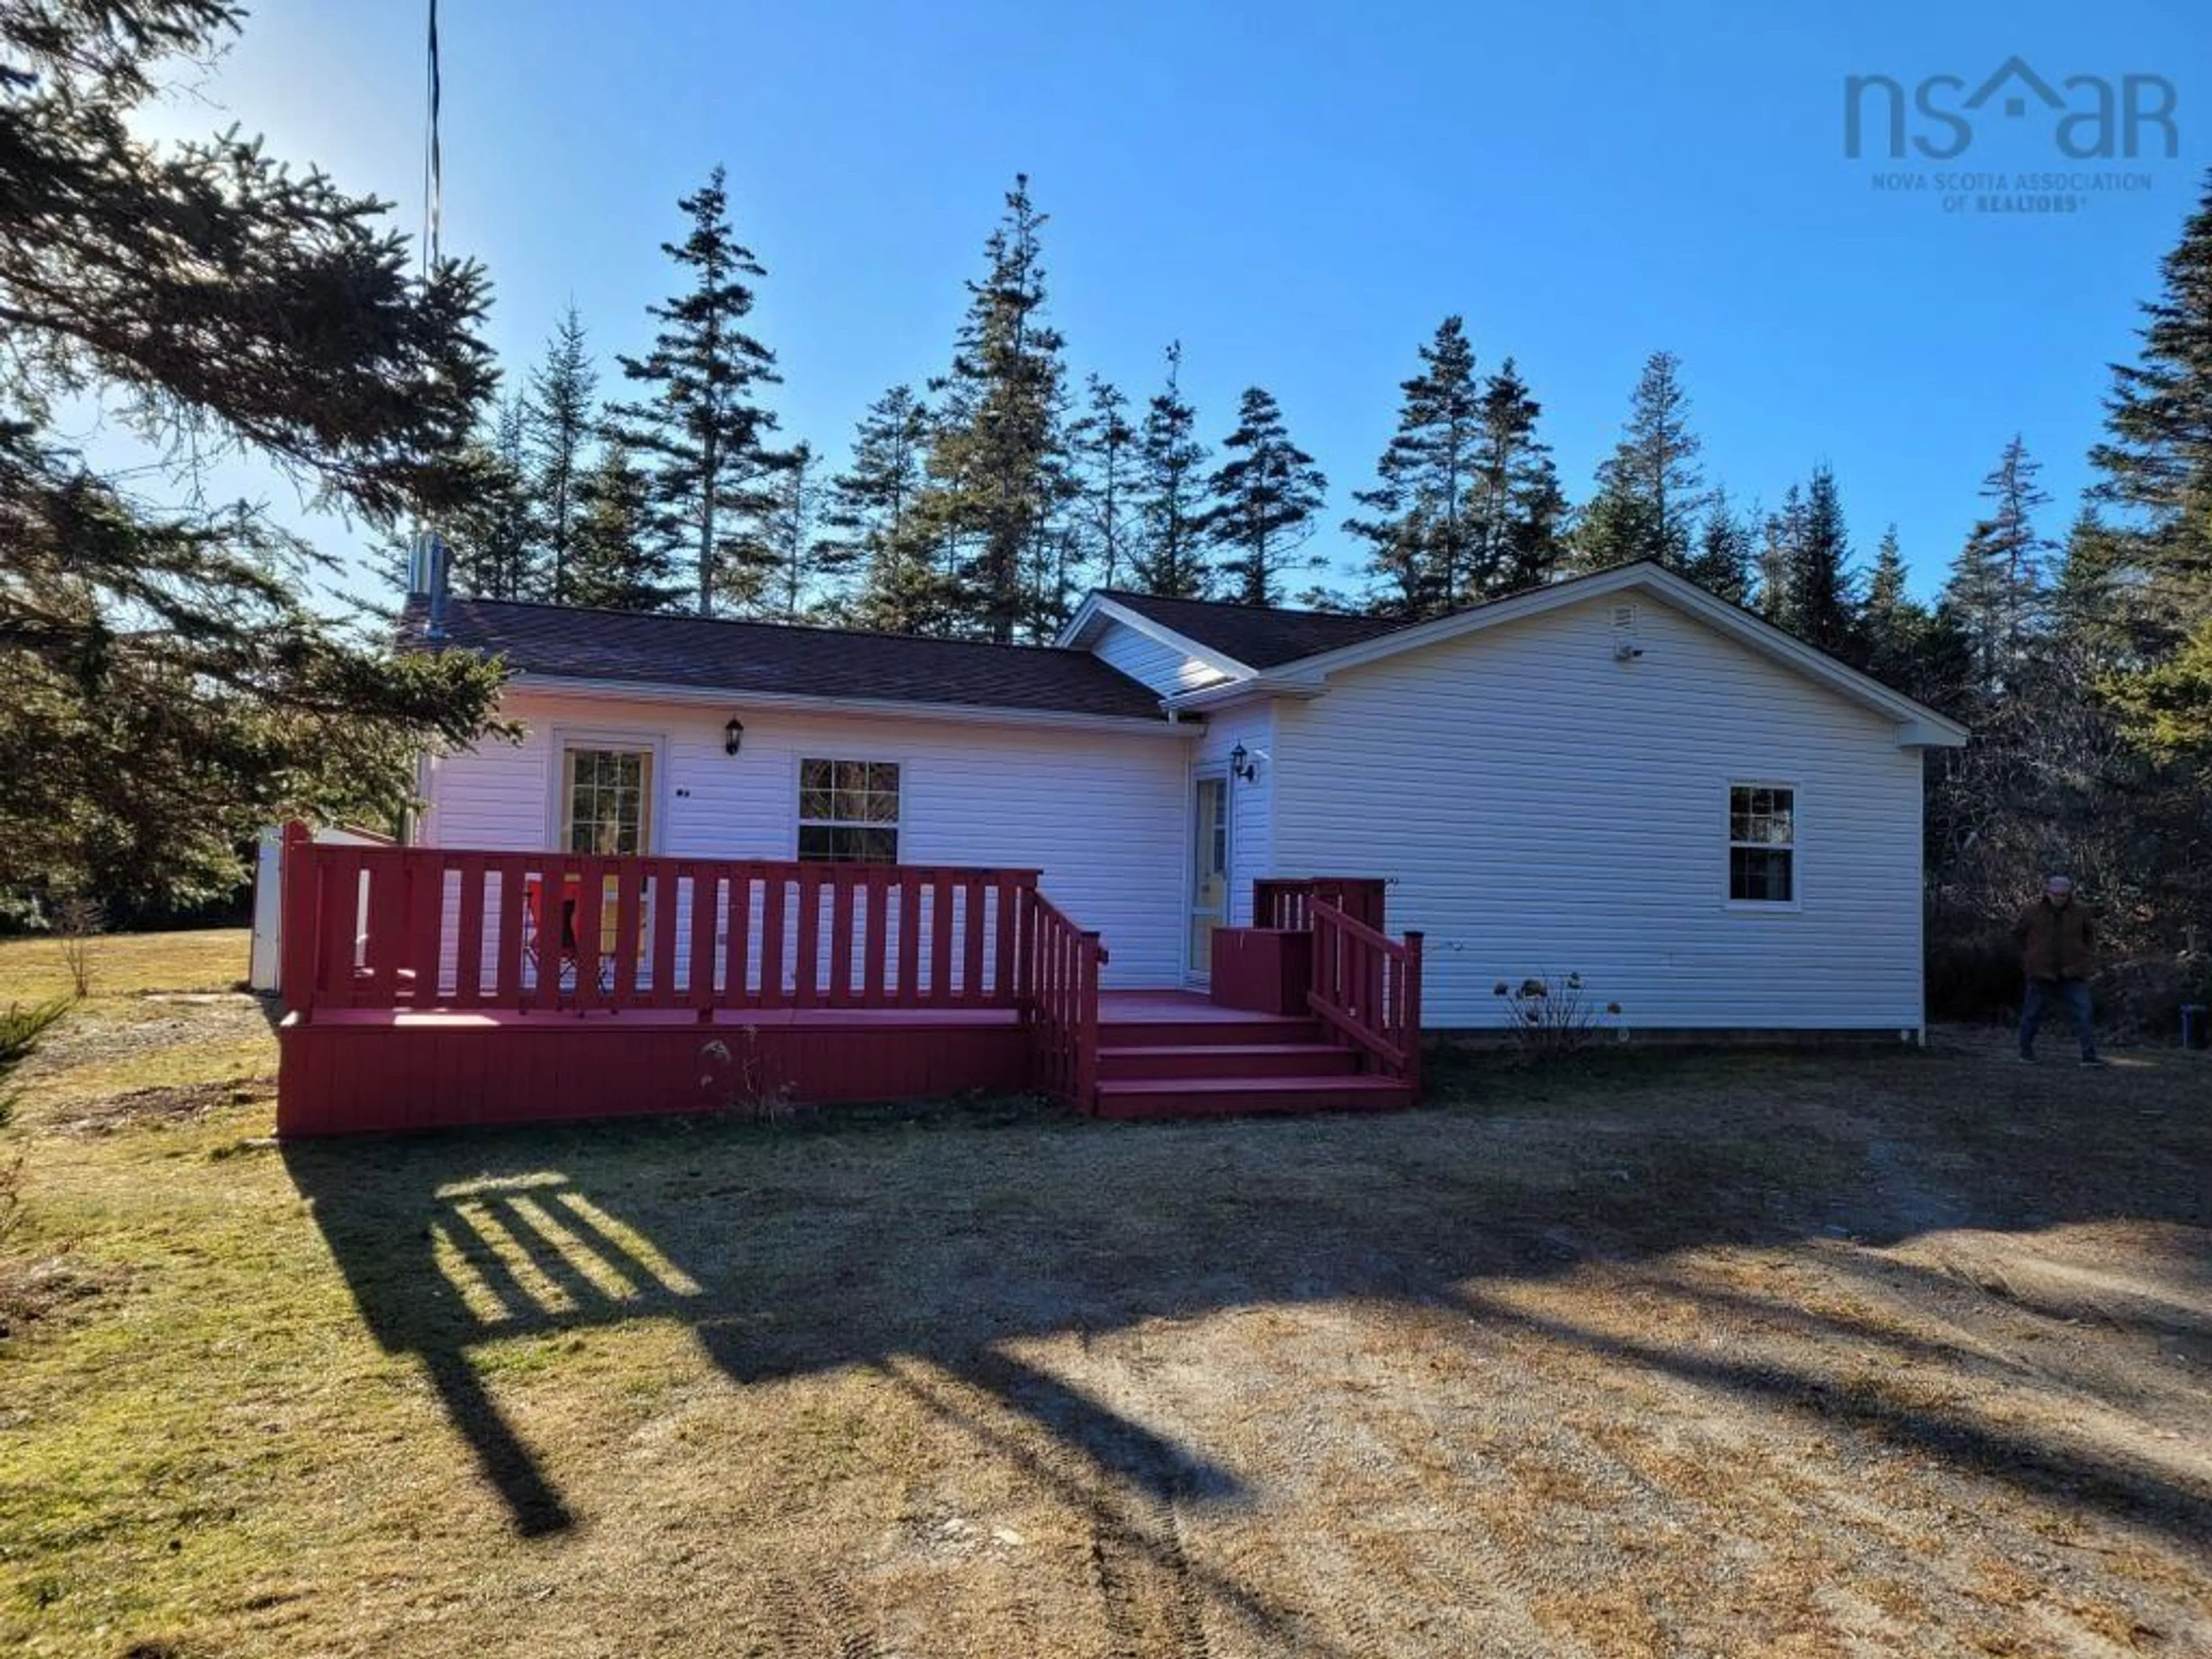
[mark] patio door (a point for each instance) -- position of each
(1209, 868)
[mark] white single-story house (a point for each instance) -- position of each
(1716, 825)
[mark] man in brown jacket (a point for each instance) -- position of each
(2058, 944)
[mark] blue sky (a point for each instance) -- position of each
(1299, 193)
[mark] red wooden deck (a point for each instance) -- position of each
(428, 988)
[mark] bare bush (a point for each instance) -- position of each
(77, 921)
(736, 1080)
(1552, 1014)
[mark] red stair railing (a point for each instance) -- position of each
(1367, 988)
(1060, 987)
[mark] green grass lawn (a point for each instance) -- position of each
(1784, 1351)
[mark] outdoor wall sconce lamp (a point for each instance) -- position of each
(733, 736)
(1242, 764)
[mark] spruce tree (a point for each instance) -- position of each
(167, 685)
(1102, 444)
(1821, 609)
(876, 533)
(1265, 497)
(1779, 536)
(558, 428)
(1514, 502)
(618, 558)
(1171, 560)
(1723, 562)
(800, 573)
(1892, 623)
(2156, 457)
(1996, 585)
(488, 536)
(997, 462)
(1422, 537)
(1650, 490)
(698, 425)
(2156, 463)
(493, 554)
(2093, 597)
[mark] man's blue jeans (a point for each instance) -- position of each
(2074, 993)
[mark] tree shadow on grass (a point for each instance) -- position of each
(916, 1247)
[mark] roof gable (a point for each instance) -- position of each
(1239, 639)
(1918, 725)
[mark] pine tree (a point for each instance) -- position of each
(1102, 444)
(489, 535)
(493, 551)
(791, 535)
(618, 558)
(997, 463)
(1891, 623)
(1514, 502)
(1422, 537)
(1723, 562)
(166, 685)
(1996, 585)
(2092, 597)
(699, 426)
(1265, 497)
(876, 532)
(2156, 463)
(1886, 601)
(2156, 459)
(1779, 536)
(1822, 611)
(558, 426)
(1650, 490)
(1170, 561)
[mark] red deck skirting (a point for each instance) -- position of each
(353, 1071)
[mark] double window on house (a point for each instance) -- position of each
(848, 812)
(1762, 844)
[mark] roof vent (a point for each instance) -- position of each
(1623, 619)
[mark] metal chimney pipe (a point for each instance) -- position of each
(428, 571)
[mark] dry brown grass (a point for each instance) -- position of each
(1796, 1354)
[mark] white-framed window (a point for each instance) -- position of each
(606, 802)
(1762, 846)
(848, 810)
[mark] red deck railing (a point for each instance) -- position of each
(1367, 987)
(1285, 902)
(435, 928)
(1059, 987)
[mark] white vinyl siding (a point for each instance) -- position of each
(1548, 808)
(1101, 815)
(1146, 659)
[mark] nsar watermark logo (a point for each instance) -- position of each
(2082, 119)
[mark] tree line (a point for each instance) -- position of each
(985, 503)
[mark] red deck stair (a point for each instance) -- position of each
(1164, 1053)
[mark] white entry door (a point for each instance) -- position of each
(1209, 868)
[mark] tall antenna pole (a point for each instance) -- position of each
(433, 171)
(428, 575)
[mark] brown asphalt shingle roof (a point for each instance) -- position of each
(710, 653)
(1257, 637)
